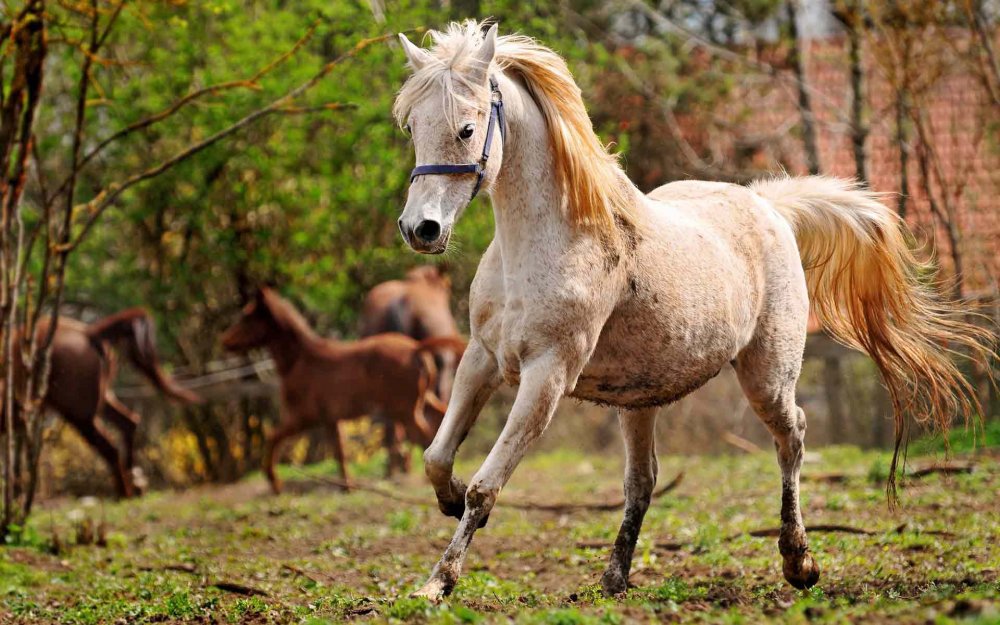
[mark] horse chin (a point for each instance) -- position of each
(433, 248)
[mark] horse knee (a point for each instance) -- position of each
(437, 466)
(479, 498)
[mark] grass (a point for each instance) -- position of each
(317, 555)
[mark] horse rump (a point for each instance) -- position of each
(135, 331)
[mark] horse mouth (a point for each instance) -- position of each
(432, 248)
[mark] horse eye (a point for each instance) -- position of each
(406, 130)
(466, 131)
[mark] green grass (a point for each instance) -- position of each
(316, 555)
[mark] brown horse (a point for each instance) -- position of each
(418, 306)
(79, 386)
(324, 382)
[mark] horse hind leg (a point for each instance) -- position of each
(126, 421)
(333, 431)
(284, 431)
(640, 478)
(99, 441)
(769, 384)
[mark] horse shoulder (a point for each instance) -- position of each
(487, 298)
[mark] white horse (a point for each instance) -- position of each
(593, 290)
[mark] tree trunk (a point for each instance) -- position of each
(805, 104)
(902, 139)
(859, 127)
(25, 42)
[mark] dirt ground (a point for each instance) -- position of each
(236, 554)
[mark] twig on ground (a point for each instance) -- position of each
(239, 589)
(181, 568)
(830, 528)
(741, 443)
(944, 469)
(297, 571)
(819, 529)
(606, 544)
(828, 478)
(572, 507)
(517, 505)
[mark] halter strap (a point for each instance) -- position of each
(479, 168)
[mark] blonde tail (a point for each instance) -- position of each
(865, 287)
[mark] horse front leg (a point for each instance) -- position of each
(543, 382)
(476, 379)
(640, 478)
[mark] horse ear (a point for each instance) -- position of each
(486, 50)
(417, 56)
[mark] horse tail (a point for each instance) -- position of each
(427, 349)
(866, 287)
(448, 351)
(135, 331)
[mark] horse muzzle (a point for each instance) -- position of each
(426, 236)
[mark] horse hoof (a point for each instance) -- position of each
(455, 508)
(613, 583)
(801, 572)
(435, 590)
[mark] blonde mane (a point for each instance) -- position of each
(595, 187)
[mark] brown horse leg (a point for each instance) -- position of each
(338, 451)
(97, 439)
(640, 477)
(402, 449)
(393, 437)
(284, 431)
(126, 421)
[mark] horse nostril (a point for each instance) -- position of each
(428, 231)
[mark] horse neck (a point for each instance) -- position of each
(288, 344)
(526, 198)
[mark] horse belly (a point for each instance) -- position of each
(644, 382)
(649, 355)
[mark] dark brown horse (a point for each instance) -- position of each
(417, 306)
(84, 365)
(324, 382)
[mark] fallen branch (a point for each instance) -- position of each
(181, 568)
(824, 528)
(943, 469)
(364, 610)
(517, 505)
(239, 589)
(573, 507)
(819, 529)
(297, 571)
(741, 443)
(827, 478)
(604, 544)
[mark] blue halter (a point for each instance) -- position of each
(496, 119)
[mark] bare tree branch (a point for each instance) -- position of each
(96, 207)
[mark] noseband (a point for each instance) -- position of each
(496, 119)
